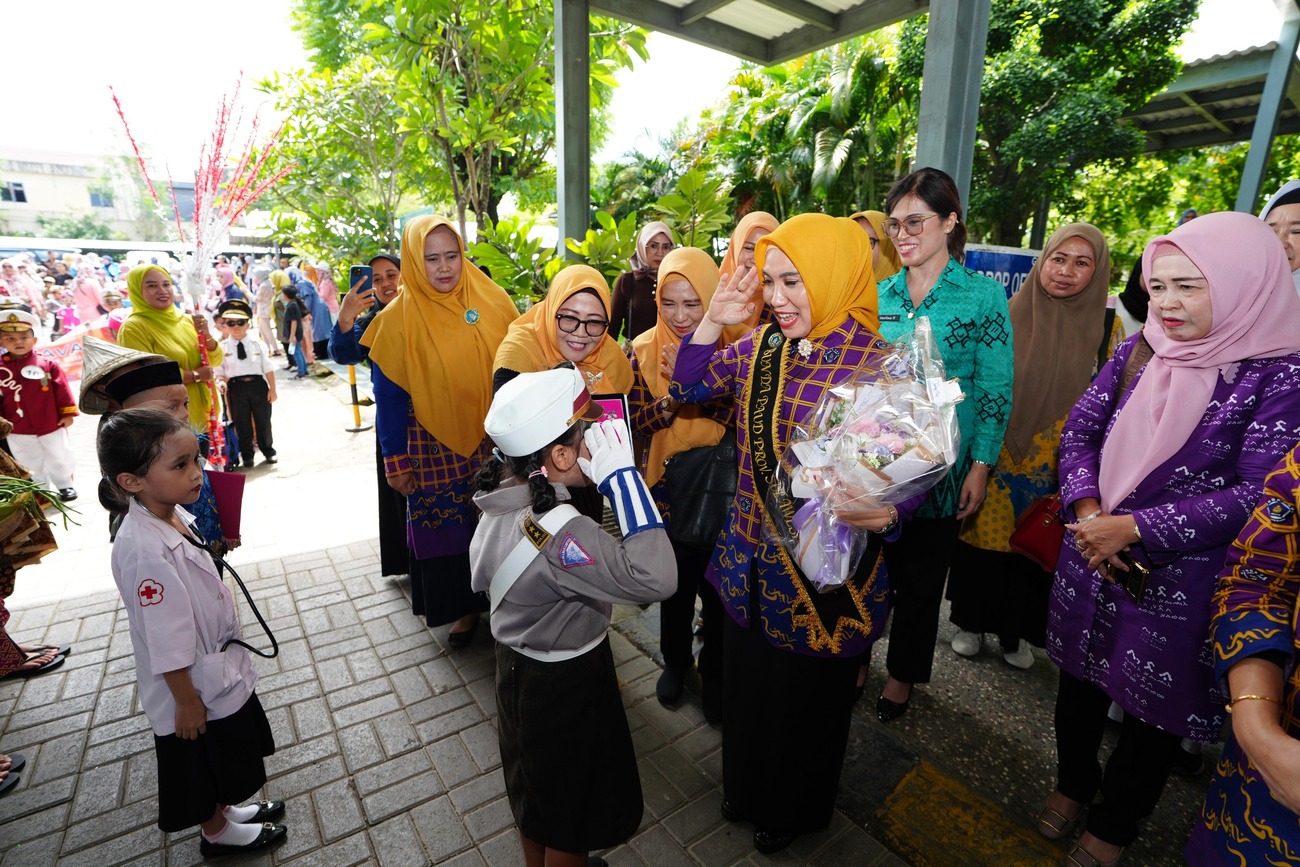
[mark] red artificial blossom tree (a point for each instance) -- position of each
(221, 196)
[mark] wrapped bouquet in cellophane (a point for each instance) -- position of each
(884, 436)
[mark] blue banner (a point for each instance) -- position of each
(1007, 265)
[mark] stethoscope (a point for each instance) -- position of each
(222, 567)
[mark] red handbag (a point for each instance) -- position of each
(1039, 532)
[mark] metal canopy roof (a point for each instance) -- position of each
(763, 31)
(1215, 101)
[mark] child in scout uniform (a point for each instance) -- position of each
(249, 380)
(35, 396)
(552, 575)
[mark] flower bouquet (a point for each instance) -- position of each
(880, 438)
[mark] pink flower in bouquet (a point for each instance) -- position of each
(893, 442)
(868, 426)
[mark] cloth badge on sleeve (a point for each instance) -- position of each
(1278, 511)
(572, 554)
(150, 592)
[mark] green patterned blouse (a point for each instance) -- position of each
(968, 313)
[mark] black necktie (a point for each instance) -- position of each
(239, 350)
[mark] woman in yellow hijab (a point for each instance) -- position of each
(570, 324)
(158, 326)
(687, 280)
(884, 255)
(740, 260)
(782, 637)
(431, 353)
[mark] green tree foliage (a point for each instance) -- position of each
(479, 86)
(828, 131)
(1058, 77)
(357, 168)
(77, 225)
(516, 259)
(697, 209)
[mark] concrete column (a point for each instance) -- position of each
(950, 88)
(1270, 110)
(572, 118)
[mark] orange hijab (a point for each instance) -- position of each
(438, 346)
(689, 429)
(731, 263)
(885, 262)
(833, 256)
(530, 345)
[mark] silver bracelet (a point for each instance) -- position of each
(1095, 514)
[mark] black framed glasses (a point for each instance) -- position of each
(913, 225)
(569, 324)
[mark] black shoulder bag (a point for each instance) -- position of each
(701, 487)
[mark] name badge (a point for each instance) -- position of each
(892, 317)
(31, 371)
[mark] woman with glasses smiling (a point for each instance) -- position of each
(570, 324)
(973, 329)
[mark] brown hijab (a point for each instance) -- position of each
(1056, 341)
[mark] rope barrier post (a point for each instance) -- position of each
(357, 426)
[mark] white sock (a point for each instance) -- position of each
(235, 834)
(241, 814)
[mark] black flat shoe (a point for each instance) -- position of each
(461, 640)
(771, 842)
(669, 687)
(888, 711)
(268, 810)
(730, 813)
(269, 836)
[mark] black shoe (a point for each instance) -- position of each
(669, 688)
(268, 810)
(597, 861)
(771, 842)
(67, 495)
(269, 835)
(270, 459)
(888, 711)
(730, 813)
(459, 640)
(711, 703)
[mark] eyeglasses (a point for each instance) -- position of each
(569, 324)
(913, 225)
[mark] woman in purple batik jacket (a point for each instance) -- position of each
(1165, 471)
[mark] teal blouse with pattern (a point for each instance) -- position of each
(968, 313)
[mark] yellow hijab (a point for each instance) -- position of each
(731, 262)
(886, 261)
(833, 256)
(438, 346)
(171, 333)
(689, 429)
(530, 346)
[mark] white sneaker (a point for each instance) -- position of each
(1022, 658)
(967, 643)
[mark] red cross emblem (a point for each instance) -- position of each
(150, 592)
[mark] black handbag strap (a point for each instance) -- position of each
(1103, 351)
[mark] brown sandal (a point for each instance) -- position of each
(1053, 825)
(1081, 857)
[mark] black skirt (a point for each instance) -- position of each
(1000, 592)
(786, 727)
(566, 751)
(440, 591)
(223, 766)
(394, 556)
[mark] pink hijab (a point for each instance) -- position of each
(1255, 313)
(647, 232)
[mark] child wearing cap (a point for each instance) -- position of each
(36, 398)
(552, 576)
(248, 378)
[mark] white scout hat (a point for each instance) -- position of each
(533, 409)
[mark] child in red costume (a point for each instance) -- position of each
(35, 397)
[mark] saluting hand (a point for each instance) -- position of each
(733, 303)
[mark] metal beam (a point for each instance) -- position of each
(1270, 111)
(806, 12)
(1205, 113)
(573, 118)
(710, 34)
(866, 16)
(1206, 137)
(950, 88)
(692, 12)
(1221, 72)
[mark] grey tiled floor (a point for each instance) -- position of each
(386, 750)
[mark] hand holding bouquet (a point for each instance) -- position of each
(884, 436)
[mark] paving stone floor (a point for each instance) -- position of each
(386, 748)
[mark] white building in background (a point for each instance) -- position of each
(35, 183)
